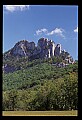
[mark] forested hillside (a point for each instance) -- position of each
(40, 85)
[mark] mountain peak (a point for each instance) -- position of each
(22, 48)
(45, 49)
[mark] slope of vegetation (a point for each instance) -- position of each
(40, 86)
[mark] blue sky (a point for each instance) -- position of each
(31, 22)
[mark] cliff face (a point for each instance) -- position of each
(45, 49)
(23, 48)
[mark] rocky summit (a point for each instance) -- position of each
(45, 49)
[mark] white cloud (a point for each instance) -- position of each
(39, 32)
(76, 30)
(57, 31)
(13, 8)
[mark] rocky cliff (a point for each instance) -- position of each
(45, 49)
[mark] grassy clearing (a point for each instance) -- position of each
(40, 113)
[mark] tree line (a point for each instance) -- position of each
(41, 87)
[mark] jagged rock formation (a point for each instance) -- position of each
(45, 49)
(23, 48)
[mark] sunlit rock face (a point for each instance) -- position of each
(45, 49)
(23, 48)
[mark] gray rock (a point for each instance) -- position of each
(7, 68)
(58, 50)
(45, 49)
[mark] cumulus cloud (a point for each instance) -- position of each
(39, 32)
(13, 8)
(56, 31)
(76, 30)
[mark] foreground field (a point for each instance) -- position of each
(40, 113)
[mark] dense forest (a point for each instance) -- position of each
(40, 85)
